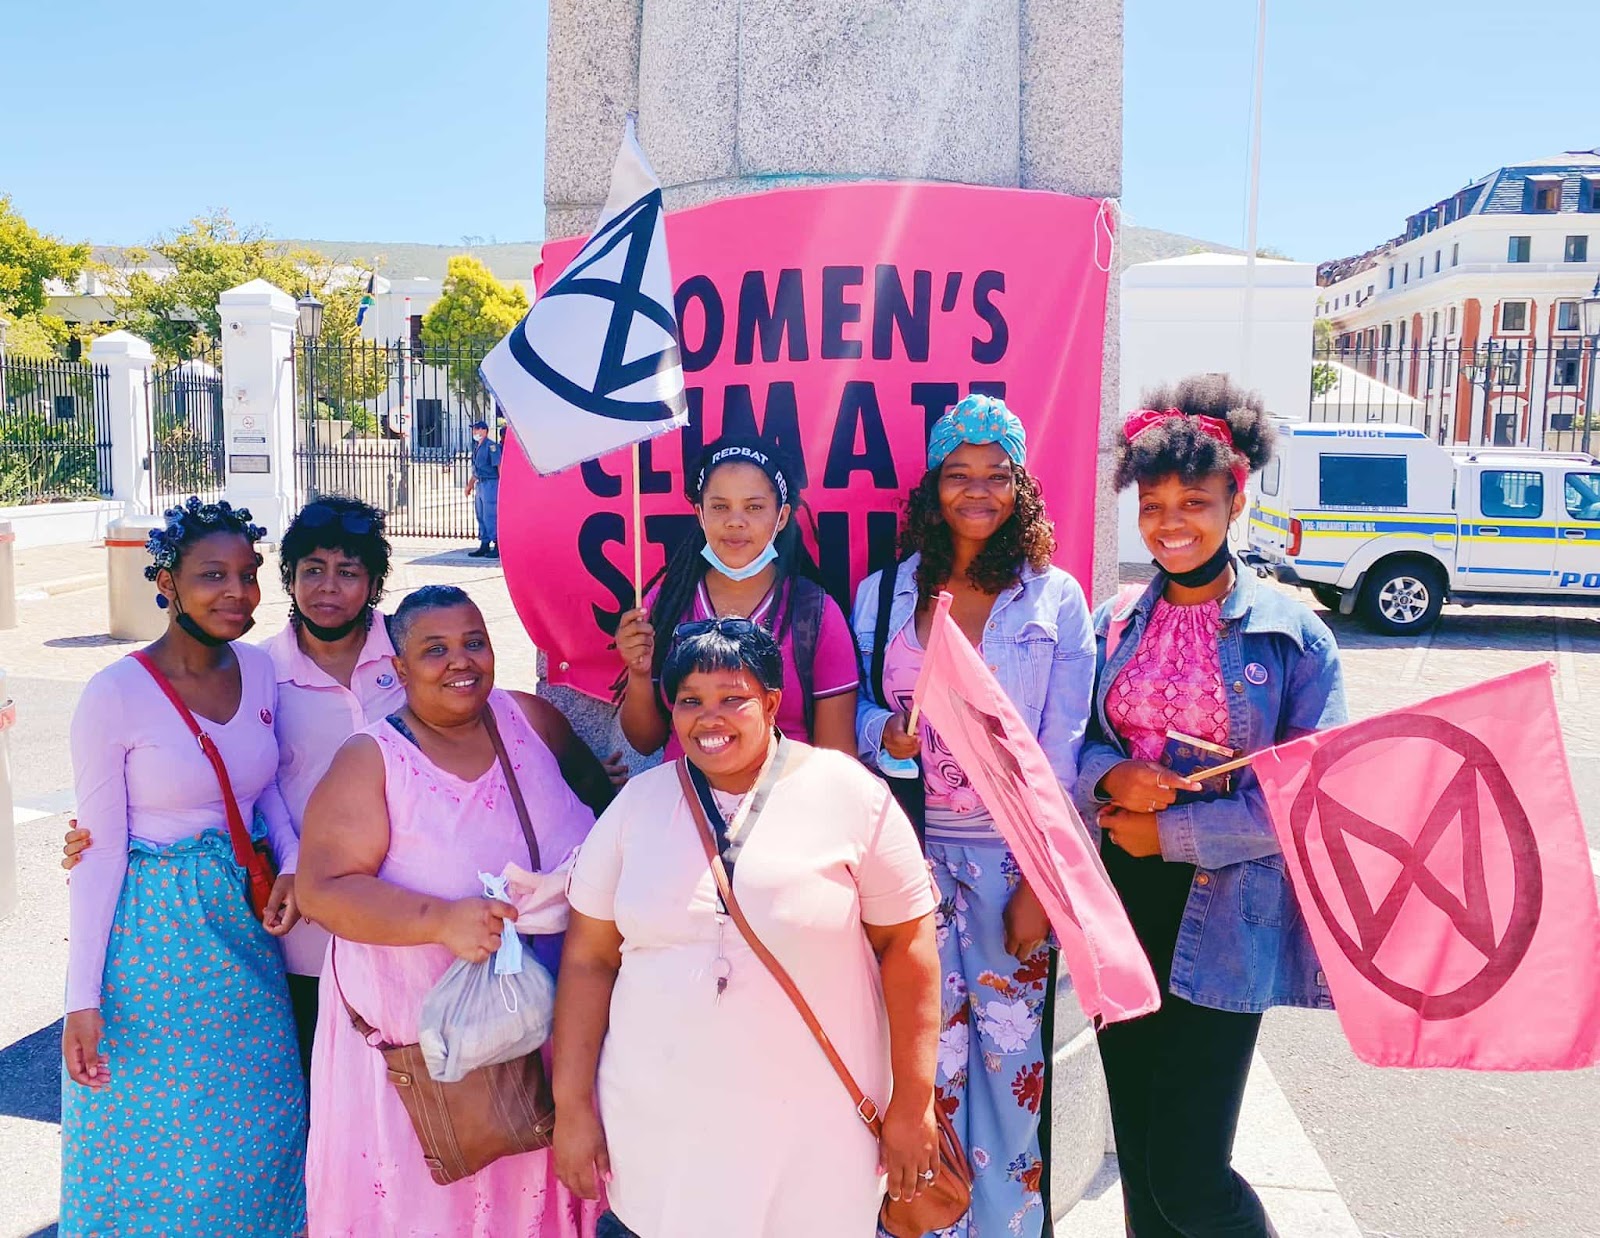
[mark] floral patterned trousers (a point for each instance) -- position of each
(991, 1078)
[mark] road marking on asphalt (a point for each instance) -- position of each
(1417, 658)
(1566, 663)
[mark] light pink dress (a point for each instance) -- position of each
(364, 1170)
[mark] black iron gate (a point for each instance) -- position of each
(186, 430)
(55, 431)
(390, 423)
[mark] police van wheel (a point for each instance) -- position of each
(1401, 599)
(1329, 595)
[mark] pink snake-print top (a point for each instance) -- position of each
(1173, 681)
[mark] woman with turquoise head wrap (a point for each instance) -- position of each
(976, 527)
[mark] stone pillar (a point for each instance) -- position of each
(258, 325)
(127, 359)
(740, 96)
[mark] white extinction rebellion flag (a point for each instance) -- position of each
(594, 365)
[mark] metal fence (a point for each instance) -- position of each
(389, 423)
(186, 431)
(1511, 392)
(55, 431)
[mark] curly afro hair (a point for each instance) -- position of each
(1178, 446)
(1027, 537)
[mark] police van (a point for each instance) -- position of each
(1381, 520)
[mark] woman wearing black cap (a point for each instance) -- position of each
(745, 558)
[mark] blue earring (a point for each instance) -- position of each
(161, 601)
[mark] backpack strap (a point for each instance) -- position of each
(880, 635)
(807, 602)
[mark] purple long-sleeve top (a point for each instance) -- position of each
(139, 774)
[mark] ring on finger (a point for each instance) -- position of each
(928, 1175)
(1161, 783)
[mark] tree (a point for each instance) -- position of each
(473, 313)
(27, 259)
(1324, 377)
(176, 310)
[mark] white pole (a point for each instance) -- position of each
(1253, 205)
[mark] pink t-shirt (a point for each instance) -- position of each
(138, 773)
(316, 714)
(1173, 681)
(949, 791)
(834, 669)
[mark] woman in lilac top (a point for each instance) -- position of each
(745, 558)
(976, 526)
(180, 1064)
(1204, 662)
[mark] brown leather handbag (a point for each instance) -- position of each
(946, 1199)
(494, 1111)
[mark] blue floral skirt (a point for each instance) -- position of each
(993, 1077)
(202, 1129)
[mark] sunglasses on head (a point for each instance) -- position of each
(318, 515)
(723, 626)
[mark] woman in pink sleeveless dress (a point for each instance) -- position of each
(395, 835)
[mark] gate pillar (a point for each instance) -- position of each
(127, 360)
(258, 406)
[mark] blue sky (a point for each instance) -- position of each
(413, 121)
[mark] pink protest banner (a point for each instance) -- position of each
(838, 323)
(1442, 867)
(976, 720)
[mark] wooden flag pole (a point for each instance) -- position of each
(1227, 767)
(638, 533)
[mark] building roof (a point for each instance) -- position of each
(1505, 191)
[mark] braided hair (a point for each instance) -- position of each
(681, 577)
(190, 521)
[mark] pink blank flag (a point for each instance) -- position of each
(1442, 867)
(997, 750)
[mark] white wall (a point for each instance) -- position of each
(1185, 316)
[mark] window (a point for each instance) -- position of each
(1438, 256)
(1362, 481)
(1431, 375)
(1388, 334)
(1405, 274)
(65, 407)
(1455, 254)
(1271, 475)
(1507, 495)
(1577, 249)
(1434, 334)
(1451, 330)
(1347, 300)
(429, 431)
(1583, 496)
(1545, 198)
(1567, 316)
(1520, 249)
(1564, 369)
(1371, 288)
(1589, 200)
(1391, 277)
(1514, 316)
(1509, 371)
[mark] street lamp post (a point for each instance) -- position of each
(1591, 329)
(309, 326)
(1481, 373)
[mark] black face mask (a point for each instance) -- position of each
(194, 630)
(336, 633)
(1199, 577)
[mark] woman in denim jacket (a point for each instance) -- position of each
(1211, 654)
(976, 526)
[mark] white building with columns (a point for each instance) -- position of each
(1474, 309)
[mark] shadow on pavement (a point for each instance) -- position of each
(1461, 629)
(49, 1231)
(96, 641)
(30, 1077)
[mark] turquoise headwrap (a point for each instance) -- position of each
(978, 419)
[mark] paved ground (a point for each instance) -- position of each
(1339, 1148)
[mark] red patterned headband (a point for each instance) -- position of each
(1211, 427)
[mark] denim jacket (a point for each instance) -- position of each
(1038, 642)
(1242, 944)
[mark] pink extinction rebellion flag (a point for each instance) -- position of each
(998, 751)
(1442, 867)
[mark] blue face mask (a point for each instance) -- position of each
(755, 567)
